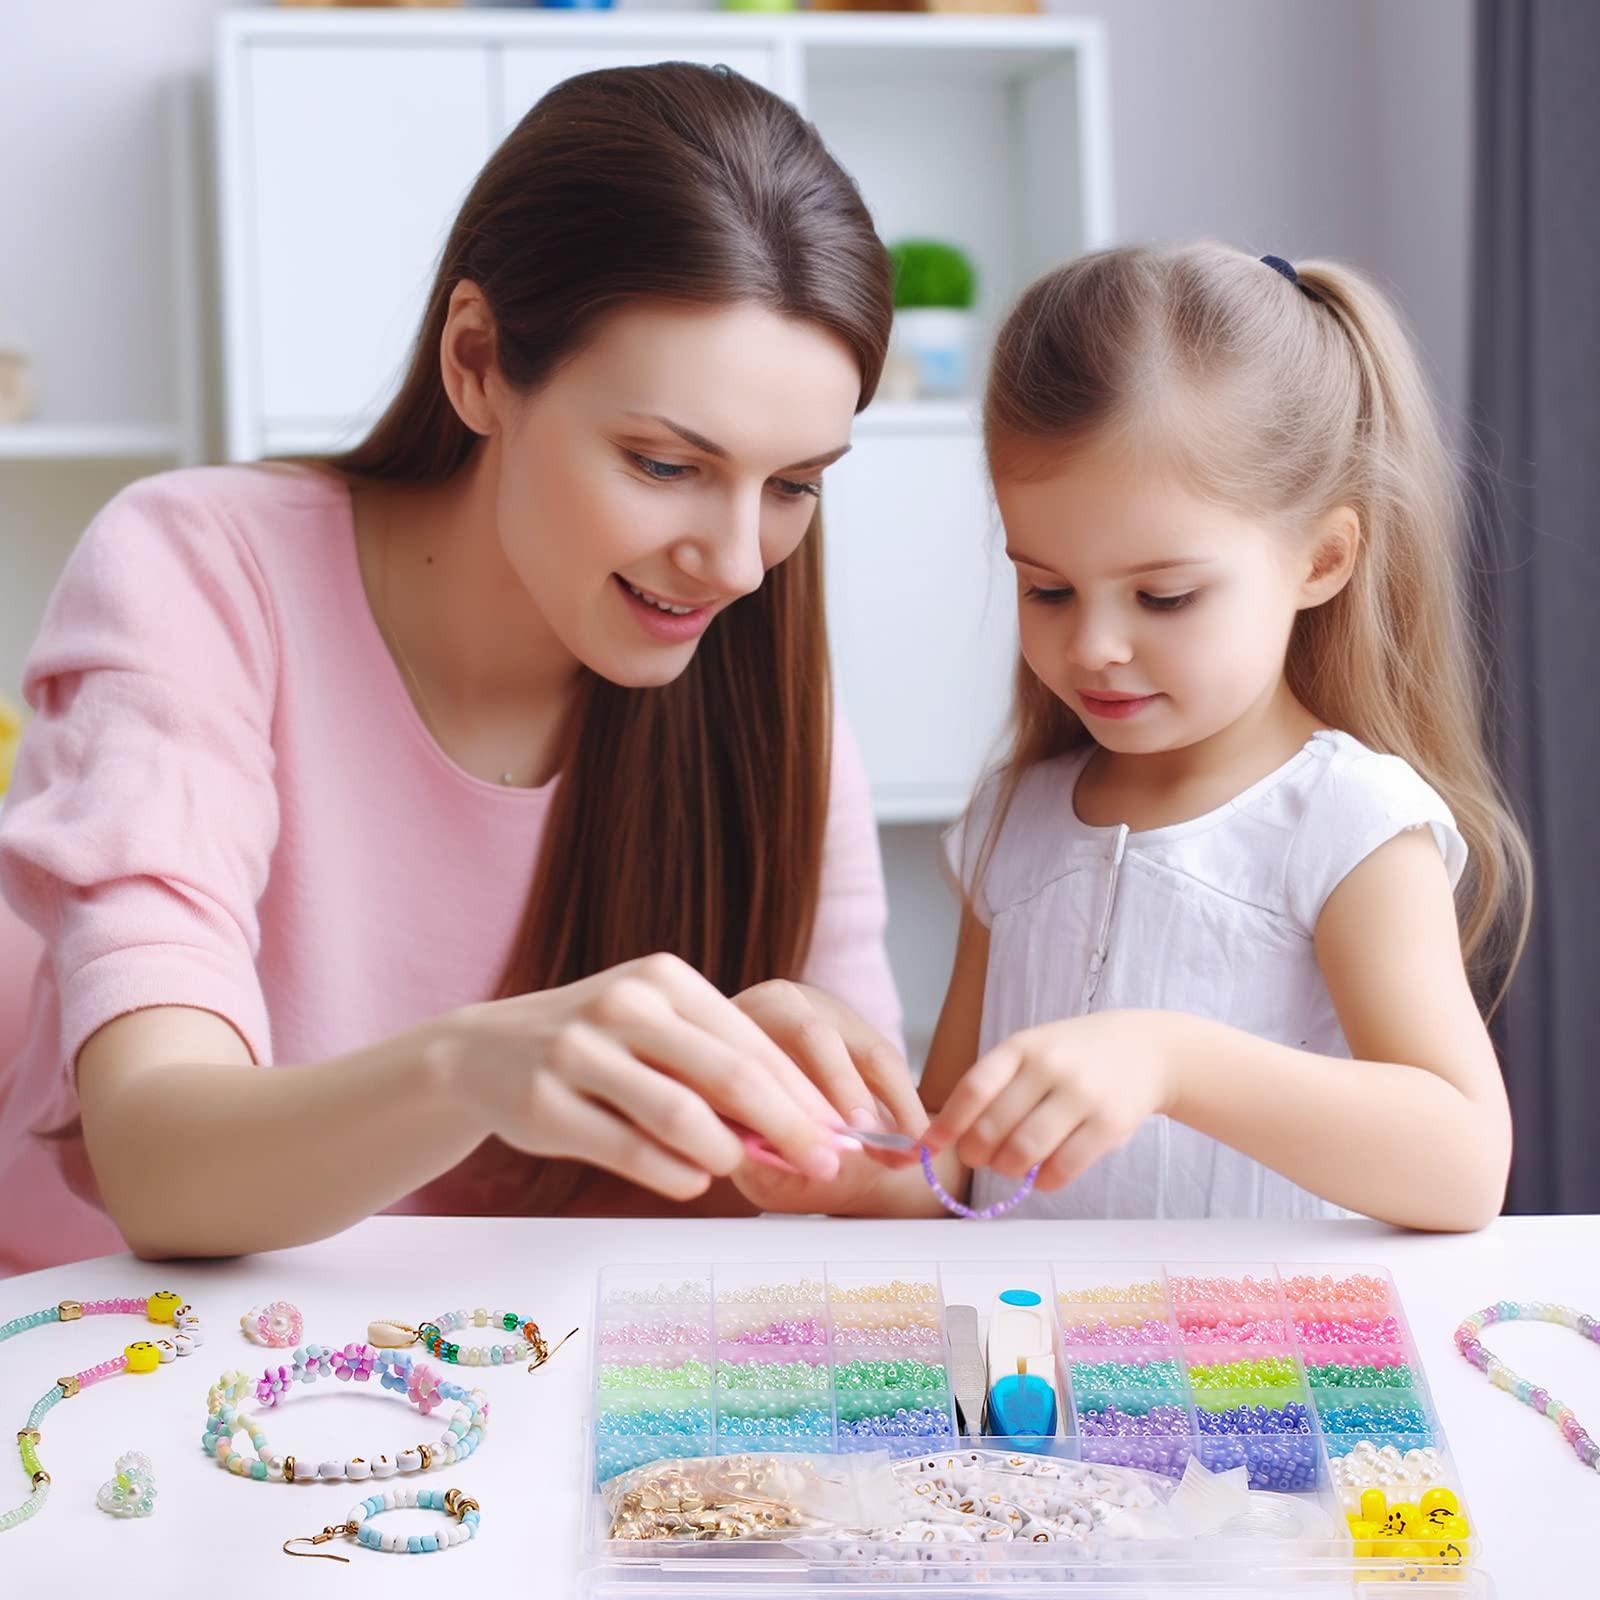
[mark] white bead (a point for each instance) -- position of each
(480, 1317)
(357, 1470)
(357, 1513)
(409, 1461)
(331, 1470)
(383, 1467)
(393, 1541)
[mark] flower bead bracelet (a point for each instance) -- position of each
(415, 1382)
(358, 1525)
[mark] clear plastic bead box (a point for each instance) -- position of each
(1305, 1375)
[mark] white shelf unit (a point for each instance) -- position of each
(88, 441)
(346, 142)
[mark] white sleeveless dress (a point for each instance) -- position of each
(1213, 916)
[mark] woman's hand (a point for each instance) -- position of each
(633, 1070)
(1059, 1096)
(852, 1064)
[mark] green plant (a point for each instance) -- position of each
(929, 273)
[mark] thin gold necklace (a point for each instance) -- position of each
(392, 639)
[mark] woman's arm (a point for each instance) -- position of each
(199, 1152)
(1416, 1130)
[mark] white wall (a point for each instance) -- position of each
(1293, 126)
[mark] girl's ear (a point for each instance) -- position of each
(1334, 544)
(467, 358)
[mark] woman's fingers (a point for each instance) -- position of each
(648, 1022)
(671, 1113)
(883, 1069)
(596, 1134)
(699, 1001)
(787, 1015)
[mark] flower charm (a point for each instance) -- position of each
(423, 1389)
(354, 1361)
(272, 1384)
(132, 1493)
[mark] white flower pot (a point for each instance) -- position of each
(939, 343)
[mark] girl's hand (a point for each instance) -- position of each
(1059, 1096)
(633, 1070)
(852, 1064)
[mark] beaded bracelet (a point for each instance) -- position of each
(143, 1356)
(1523, 1389)
(413, 1381)
(357, 1526)
(392, 1335)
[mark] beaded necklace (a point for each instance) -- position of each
(143, 1356)
(1530, 1394)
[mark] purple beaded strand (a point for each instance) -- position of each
(960, 1208)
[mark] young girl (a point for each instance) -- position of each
(480, 781)
(1227, 899)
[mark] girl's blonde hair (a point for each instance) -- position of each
(1282, 399)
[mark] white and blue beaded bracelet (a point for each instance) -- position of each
(358, 1525)
(414, 1381)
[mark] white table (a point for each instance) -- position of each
(1535, 1506)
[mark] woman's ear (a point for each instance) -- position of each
(467, 358)
(1335, 542)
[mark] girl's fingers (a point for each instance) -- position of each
(597, 1135)
(669, 1112)
(1088, 1142)
(1039, 1133)
(984, 1082)
(1002, 1121)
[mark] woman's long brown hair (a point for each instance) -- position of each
(687, 818)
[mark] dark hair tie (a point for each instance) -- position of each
(1278, 264)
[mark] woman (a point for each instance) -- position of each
(479, 777)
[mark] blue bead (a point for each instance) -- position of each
(413, 1544)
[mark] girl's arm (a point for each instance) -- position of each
(1416, 1130)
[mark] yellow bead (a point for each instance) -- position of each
(1451, 1554)
(1446, 1525)
(142, 1357)
(1410, 1516)
(1439, 1499)
(163, 1306)
(1366, 1536)
(1373, 1505)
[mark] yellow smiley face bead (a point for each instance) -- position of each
(163, 1306)
(1439, 1499)
(142, 1357)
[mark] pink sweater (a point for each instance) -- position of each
(227, 800)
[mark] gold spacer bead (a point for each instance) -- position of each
(27, 1436)
(41, 1479)
(426, 1452)
(288, 1469)
(69, 1310)
(69, 1387)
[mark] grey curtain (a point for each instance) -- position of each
(1536, 395)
